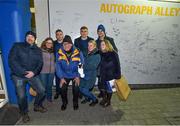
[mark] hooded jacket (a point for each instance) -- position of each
(68, 67)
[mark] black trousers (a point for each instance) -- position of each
(101, 84)
(58, 91)
(75, 91)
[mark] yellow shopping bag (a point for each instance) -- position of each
(32, 92)
(122, 88)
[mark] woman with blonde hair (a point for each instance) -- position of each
(48, 69)
(109, 70)
(91, 63)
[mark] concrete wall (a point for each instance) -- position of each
(149, 44)
(147, 33)
(41, 17)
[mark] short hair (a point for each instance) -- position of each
(59, 30)
(93, 42)
(109, 47)
(83, 27)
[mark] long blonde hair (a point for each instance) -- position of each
(109, 47)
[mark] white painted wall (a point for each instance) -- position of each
(149, 45)
(41, 17)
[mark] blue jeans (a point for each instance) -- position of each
(47, 80)
(20, 87)
(88, 94)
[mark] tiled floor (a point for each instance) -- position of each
(150, 106)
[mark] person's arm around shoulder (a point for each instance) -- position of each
(90, 38)
(76, 42)
(113, 44)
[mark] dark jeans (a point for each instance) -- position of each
(47, 80)
(58, 90)
(75, 91)
(20, 87)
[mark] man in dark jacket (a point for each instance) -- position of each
(82, 42)
(102, 35)
(57, 46)
(25, 61)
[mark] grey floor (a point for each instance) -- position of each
(143, 107)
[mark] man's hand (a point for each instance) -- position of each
(77, 81)
(63, 81)
(29, 74)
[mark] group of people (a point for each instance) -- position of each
(79, 63)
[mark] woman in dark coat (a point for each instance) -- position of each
(109, 70)
(91, 63)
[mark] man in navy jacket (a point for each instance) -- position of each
(25, 61)
(82, 42)
(57, 45)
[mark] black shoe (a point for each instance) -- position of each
(103, 101)
(75, 107)
(107, 104)
(40, 109)
(25, 118)
(100, 95)
(84, 101)
(56, 96)
(63, 107)
(93, 103)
